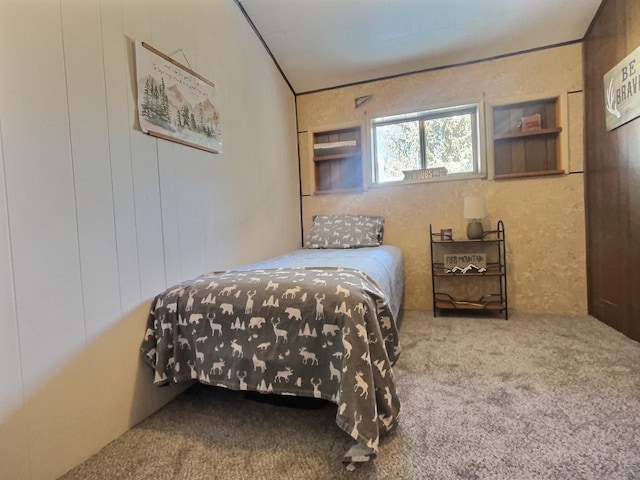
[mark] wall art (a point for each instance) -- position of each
(174, 102)
(622, 91)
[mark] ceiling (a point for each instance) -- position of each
(320, 44)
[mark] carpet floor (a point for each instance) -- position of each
(533, 397)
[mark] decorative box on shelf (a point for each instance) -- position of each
(532, 123)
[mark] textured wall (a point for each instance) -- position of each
(544, 217)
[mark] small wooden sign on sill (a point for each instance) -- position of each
(424, 173)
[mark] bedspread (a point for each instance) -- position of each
(316, 332)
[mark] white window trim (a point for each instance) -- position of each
(481, 146)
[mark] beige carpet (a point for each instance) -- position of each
(534, 397)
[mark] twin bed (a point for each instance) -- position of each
(318, 322)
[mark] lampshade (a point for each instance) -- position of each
(474, 207)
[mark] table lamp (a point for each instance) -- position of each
(474, 211)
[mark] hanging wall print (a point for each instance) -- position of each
(174, 102)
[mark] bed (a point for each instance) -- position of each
(319, 322)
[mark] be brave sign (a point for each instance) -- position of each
(622, 91)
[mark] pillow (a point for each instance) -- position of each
(345, 231)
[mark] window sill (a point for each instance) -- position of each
(446, 178)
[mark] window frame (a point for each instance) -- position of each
(433, 112)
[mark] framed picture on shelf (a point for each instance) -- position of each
(446, 234)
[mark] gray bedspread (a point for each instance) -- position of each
(325, 332)
(384, 264)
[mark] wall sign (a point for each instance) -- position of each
(622, 91)
(174, 102)
(465, 263)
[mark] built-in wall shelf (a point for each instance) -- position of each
(527, 138)
(337, 160)
(544, 131)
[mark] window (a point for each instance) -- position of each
(446, 137)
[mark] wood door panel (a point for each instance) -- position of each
(612, 165)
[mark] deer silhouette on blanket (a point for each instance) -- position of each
(215, 327)
(279, 332)
(362, 385)
(319, 306)
(249, 305)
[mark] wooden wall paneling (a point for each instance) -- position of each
(610, 181)
(190, 195)
(551, 115)
(13, 434)
(200, 26)
(594, 123)
(633, 152)
(632, 14)
(40, 193)
(170, 212)
(148, 215)
(210, 209)
(518, 155)
(553, 153)
(515, 115)
(117, 83)
(211, 213)
(634, 226)
(211, 168)
(161, 27)
(323, 176)
(104, 366)
(502, 157)
(91, 163)
(535, 154)
(626, 249)
(336, 173)
(589, 52)
(181, 33)
(180, 44)
(42, 209)
(144, 156)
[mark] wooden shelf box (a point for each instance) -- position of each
(519, 152)
(337, 159)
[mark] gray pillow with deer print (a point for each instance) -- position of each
(346, 231)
